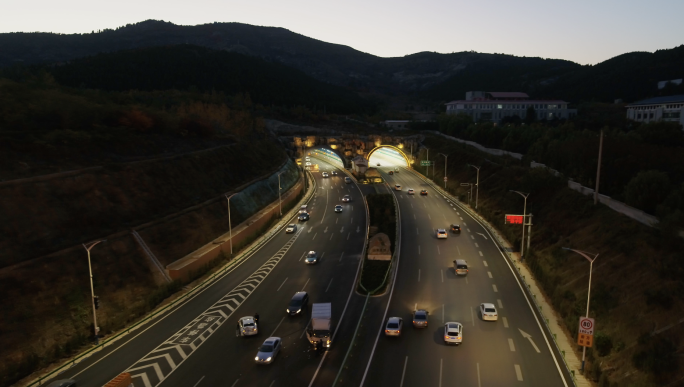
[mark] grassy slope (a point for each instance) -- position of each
(637, 284)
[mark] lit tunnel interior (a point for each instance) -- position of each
(386, 156)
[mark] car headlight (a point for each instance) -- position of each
(299, 310)
(269, 359)
(288, 310)
(256, 358)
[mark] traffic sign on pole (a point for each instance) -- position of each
(514, 219)
(585, 338)
(445, 178)
(426, 163)
(465, 184)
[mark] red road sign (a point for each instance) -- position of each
(514, 219)
(586, 326)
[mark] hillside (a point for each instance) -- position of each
(427, 76)
(185, 67)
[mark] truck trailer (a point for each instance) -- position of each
(320, 332)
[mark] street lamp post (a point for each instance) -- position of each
(280, 201)
(522, 244)
(477, 184)
(445, 169)
(470, 193)
(230, 227)
(427, 167)
(591, 266)
(88, 247)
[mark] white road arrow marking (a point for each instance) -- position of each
(528, 337)
(483, 235)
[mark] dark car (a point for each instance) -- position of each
(391, 172)
(303, 217)
(456, 229)
(423, 192)
(346, 198)
(334, 173)
(299, 301)
(63, 383)
(420, 318)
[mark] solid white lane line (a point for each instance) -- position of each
(418, 275)
(281, 285)
(518, 373)
(307, 282)
(479, 384)
(442, 272)
(480, 253)
(326, 206)
(500, 304)
(303, 255)
(495, 289)
(331, 280)
(511, 345)
(440, 372)
(403, 373)
(277, 326)
(476, 245)
(505, 321)
(342, 255)
(485, 263)
(472, 315)
(489, 273)
(198, 382)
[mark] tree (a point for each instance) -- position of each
(647, 189)
(530, 115)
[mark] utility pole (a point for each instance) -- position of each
(598, 169)
(230, 227)
(445, 169)
(280, 201)
(522, 243)
(428, 162)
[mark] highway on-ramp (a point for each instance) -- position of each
(511, 351)
(196, 344)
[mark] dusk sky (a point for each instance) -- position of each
(583, 31)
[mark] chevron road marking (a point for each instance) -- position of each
(158, 364)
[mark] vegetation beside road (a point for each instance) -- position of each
(382, 213)
(637, 274)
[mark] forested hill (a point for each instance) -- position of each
(188, 67)
(629, 77)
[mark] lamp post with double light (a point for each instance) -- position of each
(477, 184)
(445, 169)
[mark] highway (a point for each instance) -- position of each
(511, 351)
(196, 344)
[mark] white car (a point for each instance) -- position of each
(308, 164)
(338, 208)
(397, 187)
(441, 233)
(325, 174)
(453, 333)
(394, 326)
(291, 228)
(268, 350)
(410, 191)
(248, 326)
(488, 312)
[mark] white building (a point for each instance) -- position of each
(359, 164)
(658, 109)
(494, 106)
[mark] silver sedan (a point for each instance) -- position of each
(453, 333)
(268, 350)
(394, 326)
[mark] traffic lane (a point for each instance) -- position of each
(472, 245)
(271, 299)
(539, 365)
(98, 370)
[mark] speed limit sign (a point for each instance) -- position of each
(586, 326)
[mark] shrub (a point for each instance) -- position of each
(603, 344)
(659, 298)
(658, 358)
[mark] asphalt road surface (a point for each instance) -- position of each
(196, 343)
(512, 351)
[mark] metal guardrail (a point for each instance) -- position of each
(256, 245)
(501, 241)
